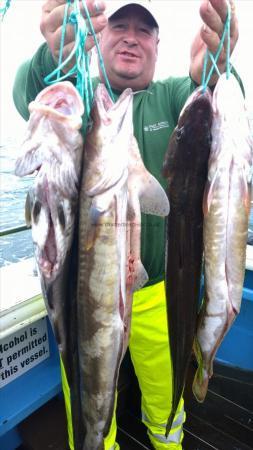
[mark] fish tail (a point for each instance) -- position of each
(201, 379)
(93, 445)
(200, 384)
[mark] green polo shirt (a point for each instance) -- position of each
(155, 116)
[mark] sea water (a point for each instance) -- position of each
(18, 246)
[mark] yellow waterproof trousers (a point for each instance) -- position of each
(150, 355)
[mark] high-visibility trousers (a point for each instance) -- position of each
(149, 350)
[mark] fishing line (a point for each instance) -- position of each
(65, 18)
(81, 68)
(100, 58)
(214, 58)
(4, 9)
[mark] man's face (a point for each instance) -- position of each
(129, 46)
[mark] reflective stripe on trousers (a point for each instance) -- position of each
(176, 434)
(149, 349)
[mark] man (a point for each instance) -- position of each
(129, 46)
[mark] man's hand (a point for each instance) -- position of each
(213, 14)
(52, 20)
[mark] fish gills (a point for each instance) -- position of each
(185, 168)
(226, 207)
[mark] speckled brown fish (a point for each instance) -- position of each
(115, 188)
(185, 168)
(53, 148)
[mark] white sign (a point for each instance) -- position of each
(23, 350)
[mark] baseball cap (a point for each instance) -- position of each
(115, 5)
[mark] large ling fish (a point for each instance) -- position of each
(226, 208)
(53, 148)
(185, 167)
(115, 188)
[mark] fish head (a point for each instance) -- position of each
(192, 132)
(51, 217)
(111, 119)
(228, 98)
(195, 120)
(53, 137)
(62, 102)
(108, 140)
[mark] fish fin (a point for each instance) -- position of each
(200, 384)
(139, 278)
(201, 378)
(205, 196)
(30, 161)
(90, 238)
(153, 199)
(65, 177)
(28, 209)
(94, 224)
(208, 193)
(245, 191)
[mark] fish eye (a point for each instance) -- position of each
(36, 211)
(61, 216)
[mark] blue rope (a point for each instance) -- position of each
(65, 19)
(228, 66)
(101, 61)
(81, 68)
(4, 9)
(214, 58)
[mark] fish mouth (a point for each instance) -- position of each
(48, 260)
(63, 107)
(62, 97)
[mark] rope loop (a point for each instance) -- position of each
(79, 59)
(214, 58)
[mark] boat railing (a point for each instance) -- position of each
(13, 230)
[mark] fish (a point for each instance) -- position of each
(52, 150)
(185, 168)
(115, 188)
(226, 207)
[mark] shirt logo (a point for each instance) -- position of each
(156, 126)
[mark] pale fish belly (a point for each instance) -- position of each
(213, 319)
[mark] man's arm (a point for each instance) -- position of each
(213, 14)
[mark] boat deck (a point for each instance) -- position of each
(223, 422)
